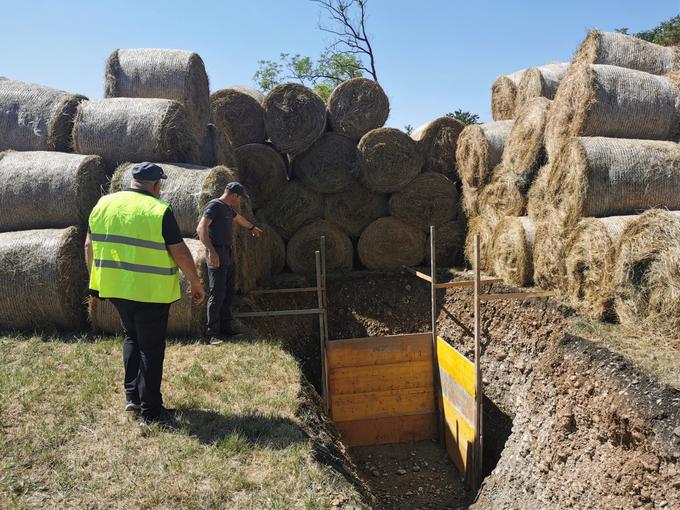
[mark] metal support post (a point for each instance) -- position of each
(435, 358)
(479, 390)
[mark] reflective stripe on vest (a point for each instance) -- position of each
(131, 260)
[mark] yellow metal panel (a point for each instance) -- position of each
(457, 366)
(413, 374)
(381, 404)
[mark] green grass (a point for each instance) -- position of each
(65, 441)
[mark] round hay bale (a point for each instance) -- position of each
(40, 189)
(354, 209)
(449, 244)
(161, 73)
(484, 227)
(511, 250)
(540, 81)
(470, 201)
(504, 96)
(389, 159)
(36, 118)
(602, 100)
(43, 279)
(244, 249)
(185, 319)
(623, 50)
(437, 142)
(549, 263)
(126, 129)
(357, 106)
(187, 189)
(216, 149)
(646, 273)
(429, 199)
(502, 197)
(596, 176)
(254, 93)
(589, 259)
(330, 165)
(238, 115)
(301, 247)
(538, 207)
(292, 208)
(389, 243)
(263, 172)
(294, 117)
(480, 149)
(270, 254)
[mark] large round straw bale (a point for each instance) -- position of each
(647, 274)
(238, 115)
(622, 50)
(269, 254)
(330, 165)
(301, 247)
(36, 118)
(354, 209)
(538, 206)
(389, 159)
(540, 81)
(601, 100)
(263, 172)
(598, 177)
(549, 263)
(589, 258)
(483, 226)
(294, 117)
(126, 129)
(185, 319)
(43, 279)
(389, 243)
(48, 189)
(357, 106)
(429, 199)
(511, 250)
(292, 208)
(437, 141)
(254, 93)
(504, 96)
(502, 197)
(164, 74)
(470, 200)
(449, 244)
(480, 149)
(244, 249)
(216, 149)
(187, 189)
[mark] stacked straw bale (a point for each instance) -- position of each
(36, 118)
(549, 257)
(484, 227)
(291, 209)
(263, 172)
(449, 242)
(538, 206)
(43, 279)
(330, 165)
(40, 189)
(504, 96)
(254, 93)
(357, 106)
(301, 247)
(429, 199)
(437, 142)
(511, 250)
(354, 209)
(389, 243)
(540, 81)
(238, 115)
(216, 149)
(269, 254)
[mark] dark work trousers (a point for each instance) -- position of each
(144, 328)
(221, 281)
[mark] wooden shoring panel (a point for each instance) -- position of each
(357, 352)
(382, 404)
(390, 376)
(393, 429)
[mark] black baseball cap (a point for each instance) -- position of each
(237, 187)
(146, 171)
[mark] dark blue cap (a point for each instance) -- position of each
(146, 171)
(237, 187)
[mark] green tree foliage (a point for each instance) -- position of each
(667, 33)
(408, 129)
(466, 118)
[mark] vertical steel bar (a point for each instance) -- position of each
(479, 436)
(435, 358)
(319, 295)
(324, 345)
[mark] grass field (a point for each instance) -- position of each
(249, 437)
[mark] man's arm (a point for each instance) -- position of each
(255, 231)
(88, 252)
(182, 257)
(202, 231)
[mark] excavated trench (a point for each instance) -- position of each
(567, 423)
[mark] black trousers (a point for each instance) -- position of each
(144, 328)
(221, 281)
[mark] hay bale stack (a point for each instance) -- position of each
(238, 115)
(185, 319)
(254, 93)
(354, 209)
(437, 142)
(162, 73)
(483, 226)
(269, 254)
(470, 201)
(622, 50)
(263, 172)
(216, 149)
(601, 100)
(36, 118)
(480, 149)
(389, 243)
(357, 106)
(330, 165)
(540, 81)
(126, 129)
(647, 273)
(538, 207)
(511, 250)
(504, 96)
(598, 177)
(501, 197)
(43, 279)
(40, 189)
(549, 264)
(301, 247)
(449, 243)
(291, 209)
(589, 258)
(187, 189)
(294, 117)
(389, 159)
(429, 199)
(244, 248)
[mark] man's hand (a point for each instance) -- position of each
(197, 292)
(214, 258)
(256, 232)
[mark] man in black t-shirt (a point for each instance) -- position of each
(214, 231)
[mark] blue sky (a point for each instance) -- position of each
(432, 56)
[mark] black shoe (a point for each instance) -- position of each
(133, 407)
(165, 420)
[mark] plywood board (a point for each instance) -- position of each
(460, 437)
(357, 352)
(370, 378)
(396, 429)
(382, 404)
(456, 365)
